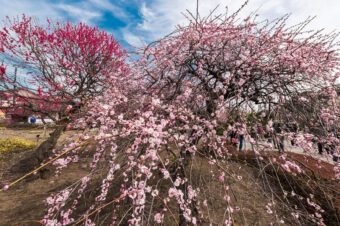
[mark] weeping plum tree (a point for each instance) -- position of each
(225, 66)
(67, 65)
(156, 129)
(246, 63)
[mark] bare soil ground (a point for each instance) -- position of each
(23, 203)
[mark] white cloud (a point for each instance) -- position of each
(80, 14)
(327, 13)
(89, 11)
(148, 18)
(107, 5)
(132, 39)
(160, 17)
(34, 8)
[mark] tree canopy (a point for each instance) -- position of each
(154, 121)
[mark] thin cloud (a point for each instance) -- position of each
(89, 11)
(160, 17)
(34, 8)
(157, 18)
(80, 14)
(106, 5)
(132, 39)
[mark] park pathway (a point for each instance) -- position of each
(289, 148)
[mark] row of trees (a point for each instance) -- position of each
(155, 116)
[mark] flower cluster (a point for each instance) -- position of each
(157, 119)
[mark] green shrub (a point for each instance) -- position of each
(14, 144)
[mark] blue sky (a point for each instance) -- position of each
(134, 22)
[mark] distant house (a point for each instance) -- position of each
(15, 108)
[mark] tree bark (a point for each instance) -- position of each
(41, 153)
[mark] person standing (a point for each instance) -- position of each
(332, 148)
(293, 128)
(253, 133)
(279, 139)
(241, 131)
(318, 131)
(241, 141)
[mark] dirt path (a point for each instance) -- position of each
(294, 149)
(24, 202)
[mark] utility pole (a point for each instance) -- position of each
(14, 83)
(1, 101)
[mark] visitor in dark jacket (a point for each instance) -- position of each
(241, 141)
(279, 139)
(293, 129)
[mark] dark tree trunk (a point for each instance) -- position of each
(41, 154)
(44, 150)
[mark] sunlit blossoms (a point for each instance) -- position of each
(187, 104)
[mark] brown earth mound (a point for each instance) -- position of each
(23, 204)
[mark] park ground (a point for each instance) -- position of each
(23, 204)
